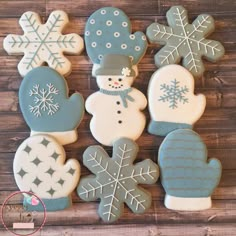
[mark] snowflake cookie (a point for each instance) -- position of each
(184, 40)
(46, 107)
(108, 31)
(43, 43)
(39, 167)
(187, 176)
(117, 178)
(171, 91)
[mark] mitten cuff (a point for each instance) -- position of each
(54, 204)
(162, 128)
(187, 204)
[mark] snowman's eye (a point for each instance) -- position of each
(120, 79)
(110, 79)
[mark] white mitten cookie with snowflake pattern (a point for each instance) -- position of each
(172, 103)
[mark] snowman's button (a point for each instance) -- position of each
(120, 121)
(118, 112)
(118, 103)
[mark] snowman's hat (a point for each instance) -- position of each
(115, 64)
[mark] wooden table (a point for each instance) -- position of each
(217, 126)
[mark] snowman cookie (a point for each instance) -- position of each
(43, 43)
(188, 178)
(116, 107)
(46, 107)
(108, 31)
(39, 167)
(171, 99)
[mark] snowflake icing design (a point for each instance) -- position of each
(43, 100)
(116, 179)
(185, 40)
(173, 94)
(43, 42)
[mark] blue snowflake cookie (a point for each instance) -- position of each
(46, 107)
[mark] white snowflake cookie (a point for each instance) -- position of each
(43, 43)
(117, 179)
(172, 103)
(39, 167)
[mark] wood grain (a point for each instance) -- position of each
(217, 126)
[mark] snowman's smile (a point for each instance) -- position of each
(116, 85)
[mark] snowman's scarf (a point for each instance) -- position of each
(122, 93)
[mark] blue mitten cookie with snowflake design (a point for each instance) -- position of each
(108, 31)
(184, 40)
(46, 107)
(116, 179)
(171, 99)
(43, 43)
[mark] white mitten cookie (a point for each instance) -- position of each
(39, 167)
(172, 103)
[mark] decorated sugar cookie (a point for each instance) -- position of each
(108, 31)
(116, 107)
(171, 99)
(43, 43)
(184, 40)
(46, 107)
(116, 179)
(188, 178)
(39, 167)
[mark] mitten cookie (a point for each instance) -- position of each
(39, 167)
(186, 175)
(116, 108)
(117, 178)
(172, 103)
(184, 40)
(46, 107)
(43, 43)
(108, 31)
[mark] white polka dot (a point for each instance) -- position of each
(123, 46)
(112, 185)
(109, 23)
(92, 21)
(137, 48)
(100, 56)
(108, 45)
(131, 57)
(118, 186)
(87, 33)
(123, 182)
(116, 13)
(103, 12)
(114, 174)
(99, 32)
(94, 44)
(144, 38)
(132, 36)
(124, 24)
(116, 34)
(109, 179)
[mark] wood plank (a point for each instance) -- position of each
(15, 8)
(211, 119)
(86, 214)
(222, 229)
(213, 138)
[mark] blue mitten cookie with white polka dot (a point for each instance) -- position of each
(108, 31)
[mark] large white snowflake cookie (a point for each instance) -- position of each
(171, 99)
(184, 40)
(43, 42)
(117, 178)
(39, 167)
